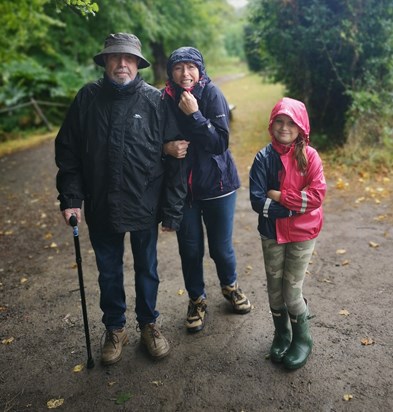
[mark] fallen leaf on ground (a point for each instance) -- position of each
(53, 245)
(347, 397)
(341, 251)
(367, 341)
(373, 244)
(54, 403)
(157, 383)
(343, 312)
(23, 280)
(180, 292)
(360, 199)
(345, 262)
(340, 184)
(123, 398)
(78, 368)
(7, 341)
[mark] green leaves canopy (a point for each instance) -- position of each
(62, 36)
(325, 52)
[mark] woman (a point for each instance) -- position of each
(203, 117)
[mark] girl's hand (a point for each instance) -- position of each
(274, 195)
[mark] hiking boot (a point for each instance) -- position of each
(238, 299)
(154, 341)
(113, 346)
(196, 313)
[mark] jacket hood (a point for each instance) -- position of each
(186, 54)
(298, 113)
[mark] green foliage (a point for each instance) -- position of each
(161, 26)
(16, 38)
(370, 119)
(325, 52)
(84, 7)
(49, 56)
(69, 78)
(234, 36)
(23, 78)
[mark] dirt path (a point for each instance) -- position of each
(222, 368)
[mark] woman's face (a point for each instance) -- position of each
(284, 129)
(185, 74)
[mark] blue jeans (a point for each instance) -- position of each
(217, 215)
(109, 251)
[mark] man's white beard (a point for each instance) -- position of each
(123, 82)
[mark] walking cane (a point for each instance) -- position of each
(74, 223)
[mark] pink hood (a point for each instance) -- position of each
(298, 113)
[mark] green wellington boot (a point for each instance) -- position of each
(301, 345)
(282, 335)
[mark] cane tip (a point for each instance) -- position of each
(90, 363)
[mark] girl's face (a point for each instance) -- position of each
(284, 129)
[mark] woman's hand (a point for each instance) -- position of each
(188, 103)
(176, 148)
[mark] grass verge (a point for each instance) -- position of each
(254, 101)
(22, 143)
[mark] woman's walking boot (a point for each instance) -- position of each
(282, 335)
(301, 344)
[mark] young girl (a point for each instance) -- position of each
(287, 188)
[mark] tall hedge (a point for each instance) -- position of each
(335, 55)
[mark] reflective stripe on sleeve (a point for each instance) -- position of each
(304, 202)
(266, 207)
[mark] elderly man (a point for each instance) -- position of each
(109, 156)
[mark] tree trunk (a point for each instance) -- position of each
(159, 63)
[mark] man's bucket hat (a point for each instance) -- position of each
(122, 43)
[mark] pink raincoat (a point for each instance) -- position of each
(301, 193)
